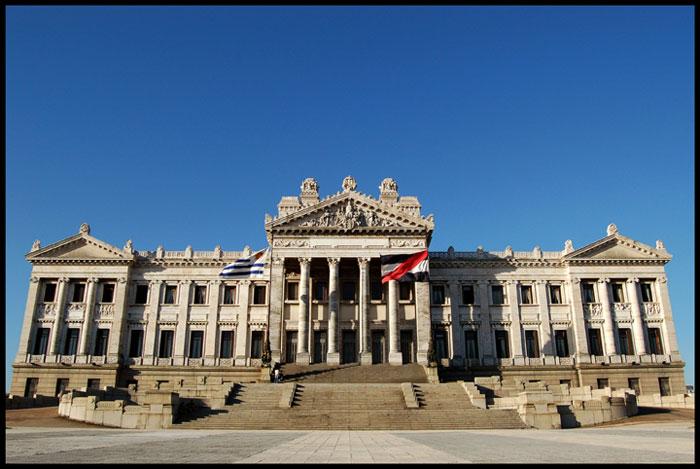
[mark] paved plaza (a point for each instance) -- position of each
(642, 443)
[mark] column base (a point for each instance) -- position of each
(333, 358)
(366, 358)
(582, 358)
(241, 361)
(395, 358)
(178, 361)
(303, 358)
(519, 360)
(422, 358)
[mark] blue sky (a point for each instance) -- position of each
(514, 126)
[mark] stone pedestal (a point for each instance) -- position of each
(366, 358)
(396, 358)
(303, 358)
(333, 358)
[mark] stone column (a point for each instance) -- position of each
(456, 326)
(86, 333)
(333, 357)
(182, 315)
(303, 321)
(516, 332)
(242, 326)
(395, 357)
(609, 325)
(671, 345)
(578, 323)
(486, 338)
(211, 337)
(546, 346)
(116, 346)
(150, 354)
(365, 336)
(276, 321)
(26, 338)
(56, 330)
(640, 347)
(423, 322)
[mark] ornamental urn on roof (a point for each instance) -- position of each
(349, 184)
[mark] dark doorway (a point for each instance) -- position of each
(30, 387)
(320, 346)
(406, 347)
(349, 344)
(291, 351)
(377, 347)
(440, 343)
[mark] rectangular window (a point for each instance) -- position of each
(471, 345)
(565, 381)
(440, 343)
(655, 346)
(165, 350)
(561, 342)
(229, 294)
(107, 293)
(532, 344)
(526, 294)
(321, 290)
(438, 294)
(136, 343)
(588, 292)
(200, 294)
(170, 295)
(647, 296)
(78, 293)
(555, 294)
(30, 387)
(497, 296)
(71, 345)
(141, 294)
(405, 291)
(376, 290)
(41, 340)
(259, 295)
(61, 386)
(101, 340)
(256, 344)
(633, 383)
(625, 339)
(50, 292)
(93, 383)
(502, 348)
(467, 294)
(348, 291)
(618, 292)
(196, 341)
(664, 387)
(292, 291)
(595, 344)
(226, 348)
(602, 383)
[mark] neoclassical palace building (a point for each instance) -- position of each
(99, 315)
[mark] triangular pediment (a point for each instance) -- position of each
(350, 211)
(617, 247)
(80, 247)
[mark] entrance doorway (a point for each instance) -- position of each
(320, 347)
(291, 353)
(377, 347)
(406, 347)
(349, 344)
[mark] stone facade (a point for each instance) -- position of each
(595, 316)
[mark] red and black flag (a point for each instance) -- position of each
(405, 267)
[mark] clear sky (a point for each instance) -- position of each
(514, 126)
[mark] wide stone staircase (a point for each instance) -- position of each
(349, 406)
(354, 373)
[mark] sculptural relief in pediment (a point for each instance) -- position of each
(347, 215)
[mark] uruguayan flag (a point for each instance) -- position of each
(248, 267)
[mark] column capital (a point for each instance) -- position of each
(663, 279)
(304, 260)
(482, 282)
(632, 280)
(34, 279)
(363, 261)
(215, 283)
(333, 261)
(185, 282)
(278, 260)
(121, 280)
(575, 280)
(603, 280)
(155, 283)
(541, 282)
(245, 282)
(93, 280)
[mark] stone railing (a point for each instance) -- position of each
(45, 309)
(593, 310)
(104, 310)
(622, 309)
(651, 309)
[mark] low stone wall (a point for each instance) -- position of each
(157, 409)
(682, 401)
(20, 402)
(477, 398)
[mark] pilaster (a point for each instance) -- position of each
(669, 328)
(457, 333)
(182, 315)
(333, 357)
(276, 308)
(57, 328)
(211, 336)
(149, 350)
(516, 332)
(640, 347)
(116, 346)
(547, 345)
(242, 329)
(303, 319)
(578, 323)
(609, 325)
(86, 333)
(28, 327)
(395, 357)
(423, 322)
(365, 339)
(486, 339)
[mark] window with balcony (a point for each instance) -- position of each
(471, 345)
(71, 345)
(467, 294)
(226, 348)
(438, 295)
(595, 344)
(502, 346)
(647, 296)
(101, 341)
(625, 340)
(532, 345)
(497, 295)
(200, 295)
(196, 342)
(107, 293)
(78, 293)
(165, 348)
(618, 292)
(555, 294)
(256, 344)
(229, 294)
(526, 294)
(141, 297)
(170, 296)
(260, 295)
(41, 342)
(588, 292)
(655, 345)
(561, 343)
(49, 292)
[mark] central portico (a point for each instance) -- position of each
(327, 302)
